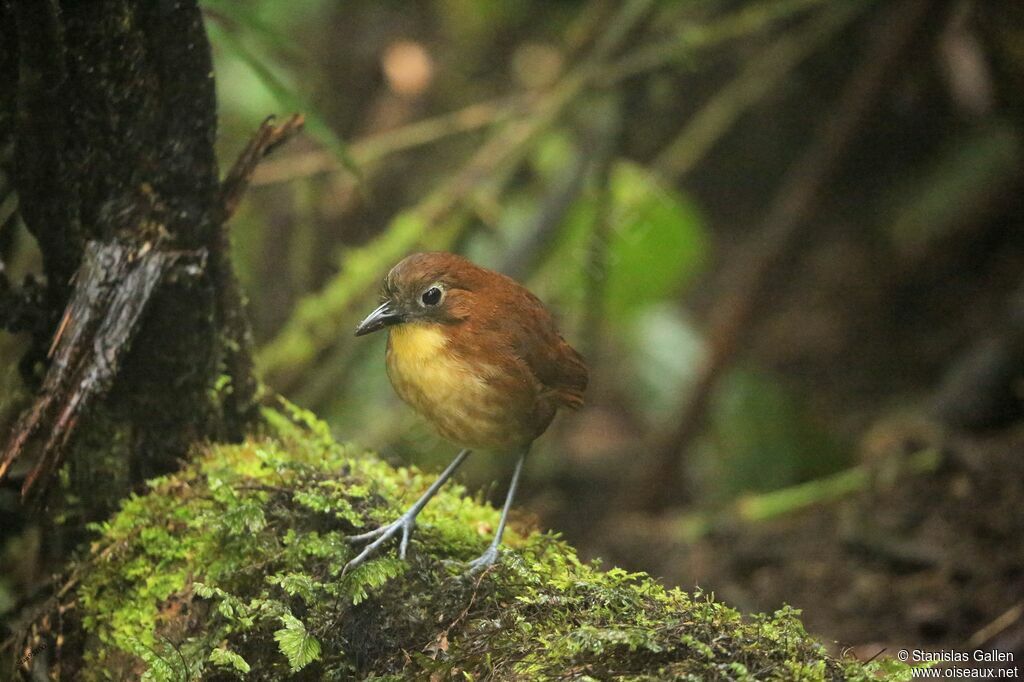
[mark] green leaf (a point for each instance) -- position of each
(288, 97)
(244, 517)
(664, 354)
(651, 239)
(296, 584)
(656, 241)
(765, 437)
(300, 647)
(372, 575)
(225, 657)
(248, 20)
(203, 590)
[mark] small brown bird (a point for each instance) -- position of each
(480, 357)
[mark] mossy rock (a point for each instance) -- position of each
(231, 568)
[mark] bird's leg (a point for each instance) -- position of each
(404, 523)
(491, 555)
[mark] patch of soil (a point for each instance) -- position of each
(918, 561)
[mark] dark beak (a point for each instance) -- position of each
(384, 316)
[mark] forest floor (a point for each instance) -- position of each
(930, 561)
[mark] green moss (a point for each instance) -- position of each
(232, 567)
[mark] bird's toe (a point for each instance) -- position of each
(405, 523)
(485, 560)
(369, 535)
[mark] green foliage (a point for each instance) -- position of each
(286, 95)
(296, 643)
(190, 581)
(966, 173)
(665, 352)
(654, 240)
(657, 244)
(765, 438)
(226, 657)
(372, 575)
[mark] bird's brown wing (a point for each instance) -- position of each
(556, 365)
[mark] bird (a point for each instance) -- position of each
(481, 358)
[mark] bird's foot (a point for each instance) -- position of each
(404, 524)
(483, 562)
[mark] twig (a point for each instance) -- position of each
(625, 20)
(996, 627)
(240, 400)
(779, 233)
(8, 210)
(690, 38)
(543, 227)
(376, 147)
(597, 268)
(267, 138)
(760, 76)
(758, 508)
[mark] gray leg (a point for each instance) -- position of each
(404, 523)
(491, 555)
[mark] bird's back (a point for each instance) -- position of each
(510, 323)
(534, 337)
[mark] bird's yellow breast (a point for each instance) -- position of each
(417, 356)
(449, 391)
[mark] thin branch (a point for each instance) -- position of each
(268, 137)
(997, 626)
(761, 75)
(543, 226)
(691, 38)
(783, 229)
(687, 41)
(376, 147)
(604, 141)
(692, 526)
(240, 399)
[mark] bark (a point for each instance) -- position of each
(109, 110)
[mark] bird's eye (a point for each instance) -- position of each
(432, 296)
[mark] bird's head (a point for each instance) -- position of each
(424, 287)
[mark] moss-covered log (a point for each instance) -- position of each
(232, 568)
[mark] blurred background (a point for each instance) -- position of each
(786, 234)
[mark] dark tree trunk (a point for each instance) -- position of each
(109, 109)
